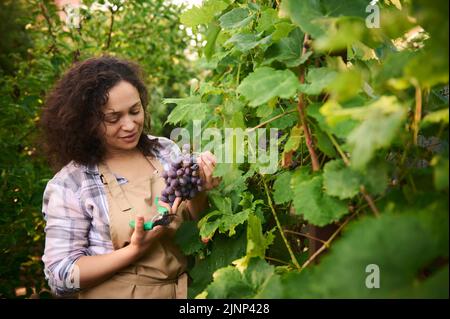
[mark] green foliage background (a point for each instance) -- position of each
(363, 114)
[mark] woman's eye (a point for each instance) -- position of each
(134, 112)
(111, 119)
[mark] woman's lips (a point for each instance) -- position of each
(129, 138)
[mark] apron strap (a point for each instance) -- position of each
(116, 190)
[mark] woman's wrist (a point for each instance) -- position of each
(133, 252)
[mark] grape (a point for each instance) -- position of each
(182, 178)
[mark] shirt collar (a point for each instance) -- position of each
(91, 169)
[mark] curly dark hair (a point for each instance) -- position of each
(72, 113)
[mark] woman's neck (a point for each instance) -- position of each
(119, 155)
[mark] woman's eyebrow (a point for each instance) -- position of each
(115, 112)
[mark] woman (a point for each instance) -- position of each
(110, 174)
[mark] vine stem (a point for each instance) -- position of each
(46, 15)
(274, 213)
(276, 260)
(304, 235)
(237, 78)
(417, 113)
(362, 189)
(302, 117)
(108, 43)
(270, 120)
(327, 243)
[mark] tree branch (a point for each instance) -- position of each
(111, 24)
(302, 117)
(417, 113)
(327, 243)
(304, 235)
(49, 25)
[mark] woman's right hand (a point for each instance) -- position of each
(141, 240)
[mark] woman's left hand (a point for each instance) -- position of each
(207, 163)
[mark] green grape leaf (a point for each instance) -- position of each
(188, 239)
(229, 282)
(440, 116)
(187, 110)
(317, 80)
(223, 253)
(324, 143)
(230, 222)
(341, 129)
(294, 140)
(375, 177)
(340, 33)
(268, 18)
(282, 183)
(305, 14)
(223, 204)
(266, 83)
(383, 119)
(244, 42)
(257, 242)
(288, 50)
(236, 18)
(232, 177)
(203, 14)
(317, 207)
(340, 181)
(211, 38)
(441, 172)
(282, 30)
(247, 201)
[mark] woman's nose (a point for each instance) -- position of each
(128, 124)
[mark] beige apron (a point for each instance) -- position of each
(160, 273)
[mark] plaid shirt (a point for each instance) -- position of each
(75, 209)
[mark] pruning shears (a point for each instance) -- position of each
(159, 219)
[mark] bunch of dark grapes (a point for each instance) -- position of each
(182, 179)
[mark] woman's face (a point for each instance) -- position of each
(123, 118)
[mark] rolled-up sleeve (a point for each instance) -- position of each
(67, 228)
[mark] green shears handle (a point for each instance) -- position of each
(148, 225)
